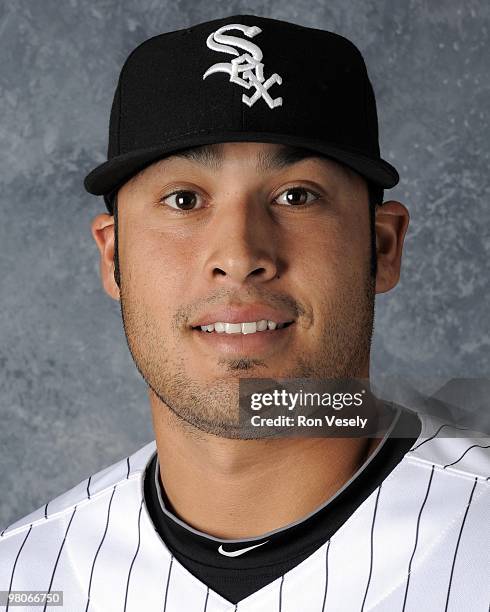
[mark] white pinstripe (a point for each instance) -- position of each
(440, 532)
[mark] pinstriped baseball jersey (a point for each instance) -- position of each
(420, 541)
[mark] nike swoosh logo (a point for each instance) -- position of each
(240, 551)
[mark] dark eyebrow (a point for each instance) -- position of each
(212, 156)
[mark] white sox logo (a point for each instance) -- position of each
(247, 68)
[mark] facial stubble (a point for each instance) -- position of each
(212, 407)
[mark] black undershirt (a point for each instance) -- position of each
(234, 578)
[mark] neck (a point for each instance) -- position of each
(241, 485)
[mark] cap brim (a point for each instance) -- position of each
(113, 173)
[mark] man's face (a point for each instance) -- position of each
(241, 233)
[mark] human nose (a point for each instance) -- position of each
(243, 245)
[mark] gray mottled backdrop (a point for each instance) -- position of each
(71, 401)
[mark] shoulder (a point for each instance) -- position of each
(458, 451)
(445, 474)
(89, 492)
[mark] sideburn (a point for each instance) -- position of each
(117, 273)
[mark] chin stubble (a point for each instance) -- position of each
(213, 408)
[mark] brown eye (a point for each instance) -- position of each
(295, 196)
(182, 200)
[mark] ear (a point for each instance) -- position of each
(392, 220)
(103, 233)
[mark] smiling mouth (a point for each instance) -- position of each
(245, 328)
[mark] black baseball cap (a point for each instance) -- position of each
(242, 79)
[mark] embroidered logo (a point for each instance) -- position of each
(246, 69)
(241, 551)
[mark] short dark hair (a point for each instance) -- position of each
(375, 195)
(375, 198)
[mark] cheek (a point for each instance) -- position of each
(331, 252)
(157, 267)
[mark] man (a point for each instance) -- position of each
(246, 240)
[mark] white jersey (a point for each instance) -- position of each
(419, 542)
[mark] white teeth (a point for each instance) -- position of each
(249, 327)
(208, 328)
(233, 328)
